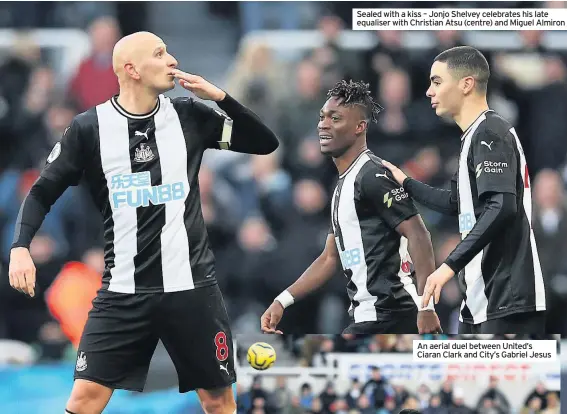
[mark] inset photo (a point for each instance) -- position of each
(378, 374)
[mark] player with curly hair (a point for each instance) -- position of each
(376, 233)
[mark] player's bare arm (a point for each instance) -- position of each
(437, 199)
(249, 134)
(316, 275)
(420, 249)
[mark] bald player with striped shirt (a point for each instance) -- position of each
(139, 154)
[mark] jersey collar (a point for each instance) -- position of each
(474, 122)
(124, 112)
(353, 163)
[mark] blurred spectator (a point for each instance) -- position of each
(388, 54)
(404, 126)
(423, 394)
(389, 406)
(488, 406)
(258, 395)
(294, 407)
(550, 227)
(282, 396)
(104, 33)
(335, 61)
(364, 406)
(258, 80)
(540, 392)
(32, 122)
(401, 394)
(320, 358)
(533, 406)
(298, 111)
(339, 407)
(458, 403)
(375, 387)
(317, 406)
(435, 406)
(218, 207)
(493, 401)
(328, 397)
(411, 403)
(274, 190)
(446, 393)
(353, 393)
(15, 73)
(553, 406)
(306, 396)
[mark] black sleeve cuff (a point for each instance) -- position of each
(452, 265)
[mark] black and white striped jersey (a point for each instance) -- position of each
(142, 172)
(367, 206)
(505, 277)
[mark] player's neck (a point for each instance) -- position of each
(345, 161)
(137, 102)
(470, 112)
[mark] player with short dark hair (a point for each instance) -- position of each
(376, 232)
(497, 260)
(463, 61)
(139, 154)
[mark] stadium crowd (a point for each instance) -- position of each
(382, 396)
(269, 215)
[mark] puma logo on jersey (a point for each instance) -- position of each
(381, 175)
(142, 134)
(488, 145)
(225, 368)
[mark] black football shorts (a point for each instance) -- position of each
(123, 329)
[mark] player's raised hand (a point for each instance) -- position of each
(201, 87)
(428, 322)
(398, 174)
(270, 319)
(22, 271)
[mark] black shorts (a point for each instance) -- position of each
(123, 329)
(405, 323)
(516, 323)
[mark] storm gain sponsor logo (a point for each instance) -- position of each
(398, 194)
(490, 167)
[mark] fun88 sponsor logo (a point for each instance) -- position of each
(465, 222)
(135, 190)
(350, 258)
